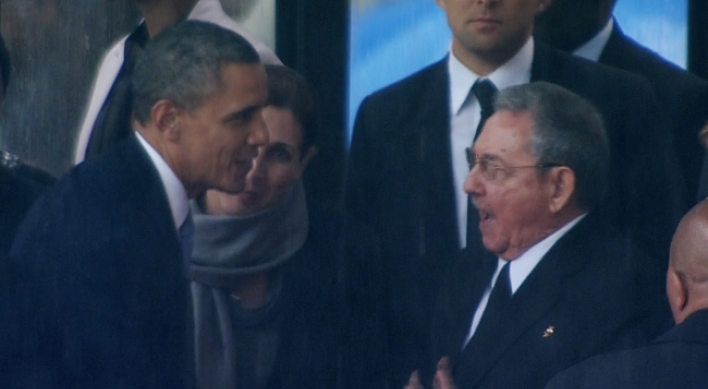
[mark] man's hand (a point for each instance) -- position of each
(442, 380)
(414, 381)
(443, 377)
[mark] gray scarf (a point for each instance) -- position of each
(227, 247)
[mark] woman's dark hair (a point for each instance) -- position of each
(288, 89)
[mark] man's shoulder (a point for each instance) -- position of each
(659, 364)
(412, 87)
(94, 190)
(572, 72)
(600, 250)
(625, 53)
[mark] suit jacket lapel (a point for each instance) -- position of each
(173, 272)
(436, 192)
(538, 294)
(470, 283)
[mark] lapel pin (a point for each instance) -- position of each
(549, 332)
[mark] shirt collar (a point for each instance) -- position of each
(593, 48)
(176, 194)
(522, 266)
(515, 71)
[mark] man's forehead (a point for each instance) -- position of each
(504, 132)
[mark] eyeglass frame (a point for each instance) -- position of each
(473, 160)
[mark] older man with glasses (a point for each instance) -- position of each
(553, 283)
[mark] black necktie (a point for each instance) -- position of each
(484, 91)
(493, 314)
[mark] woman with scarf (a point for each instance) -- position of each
(267, 275)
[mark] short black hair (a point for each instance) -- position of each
(183, 64)
(289, 90)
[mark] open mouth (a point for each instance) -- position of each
(484, 218)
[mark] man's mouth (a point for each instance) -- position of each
(485, 21)
(484, 218)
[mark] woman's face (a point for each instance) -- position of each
(277, 166)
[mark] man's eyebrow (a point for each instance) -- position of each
(490, 157)
(240, 114)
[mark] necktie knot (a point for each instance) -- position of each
(484, 90)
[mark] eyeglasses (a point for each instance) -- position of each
(492, 170)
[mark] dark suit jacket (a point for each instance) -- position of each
(400, 181)
(677, 359)
(102, 253)
(17, 194)
(682, 95)
(330, 329)
(310, 313)
(592, 288)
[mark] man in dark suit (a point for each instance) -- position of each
(560, 285)
(407, 165)
(678, 358)
(586, 28)
(105, 247)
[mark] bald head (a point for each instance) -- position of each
(687, 278)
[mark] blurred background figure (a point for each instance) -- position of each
(56, 46)
(268, 289)
(20, 184)
(676, 359)
(587, 29)
(108, 115)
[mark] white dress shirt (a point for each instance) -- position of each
(519, 270)
(465, 115)
(176, 194)
(593, 48)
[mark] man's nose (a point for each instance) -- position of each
(258, 135)
(473, 184)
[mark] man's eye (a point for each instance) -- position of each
(280, 155)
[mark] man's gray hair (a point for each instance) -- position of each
(183, 64)
(568, 131)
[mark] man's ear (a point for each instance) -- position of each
(166, 117)
(562, 187)
(677, 293)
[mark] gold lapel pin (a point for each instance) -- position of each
(549, 332)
